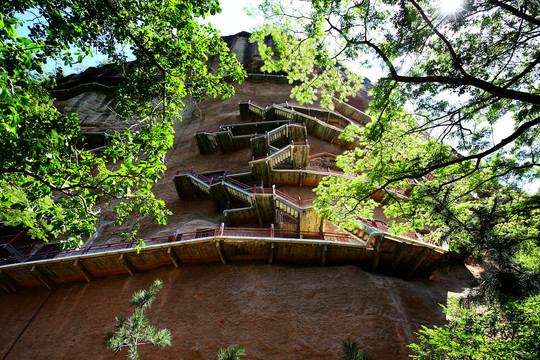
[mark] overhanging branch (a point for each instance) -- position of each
(468, 80)
(425, 171)
(516, 12)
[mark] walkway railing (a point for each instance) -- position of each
(51, 251)
(280, 112)
(279, 156)
(293, 206)
(200, 177)
(281, 130)
(409, 235)
(296, 201)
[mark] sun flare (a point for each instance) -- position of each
(450, 7)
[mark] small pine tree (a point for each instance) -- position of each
(233, 352)
(351, 351)
(135, 330)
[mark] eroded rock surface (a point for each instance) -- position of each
(273, 311)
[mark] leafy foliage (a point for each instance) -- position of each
(351, 351)
(233, 352)
(50, 183)
(431, 148)
(449, 80)
(135, 330)
(511, 331)
(304, 59)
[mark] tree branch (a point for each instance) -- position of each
(464, 81)
(516, 12)
(472, 81)
(455, 59)
(63, 190)
(425, 171)
(524, 72)
(146, 52)
(38, 178)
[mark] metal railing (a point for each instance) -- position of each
(247, 189)
(200, 177)
(287, 113)
(409, 235)
(51, 251)
(235, 183)
(296, 201)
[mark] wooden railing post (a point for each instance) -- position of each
(221, 229)
(271, 230)
(171, 254)
(87, 248)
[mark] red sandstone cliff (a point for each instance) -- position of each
(275, 311)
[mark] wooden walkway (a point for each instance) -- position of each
(260, 204)
(341, 108)
(262, 137)
(380, 252)
(285, 165)
(318, 127)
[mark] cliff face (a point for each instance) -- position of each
(279, 311)
(86, 93)
(247, 53)
(273, 311)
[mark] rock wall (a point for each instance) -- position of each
(274, 312)
(87, 93)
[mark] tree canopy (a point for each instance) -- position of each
(50, 183)
(451, 77)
